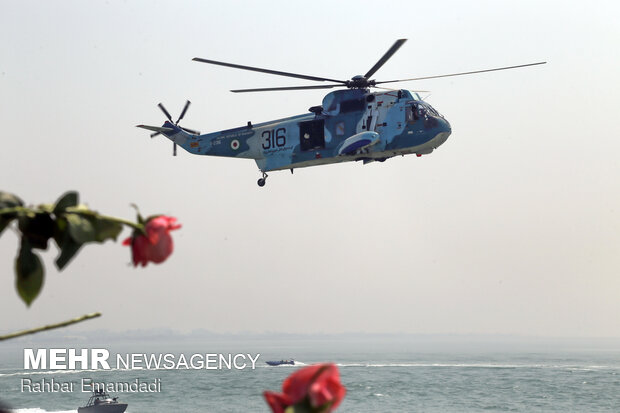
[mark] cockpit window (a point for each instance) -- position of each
(425, 107)
(417, 110)
(432, 110)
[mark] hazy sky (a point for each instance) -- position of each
(511, 227)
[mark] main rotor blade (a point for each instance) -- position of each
(270, 89)
(385, 57)
(396, 90)
(163, 109)
(183, 111)
(272, 72)
(191, 131)
(462, 73)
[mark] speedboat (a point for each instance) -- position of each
(101, 402)
(278, 363)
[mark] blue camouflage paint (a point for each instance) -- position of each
(405, 124)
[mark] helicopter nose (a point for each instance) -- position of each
(445, 126)
(444, 132)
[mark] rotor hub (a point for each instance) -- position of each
(359, 82)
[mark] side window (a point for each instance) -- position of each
(411, 114)
(312, 135)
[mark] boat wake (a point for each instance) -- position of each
(38, 410)
(480, 366)
(47, 372)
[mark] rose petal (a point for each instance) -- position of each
(277, 401)
(296, 385)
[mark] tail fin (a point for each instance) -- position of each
(168, 129)
(171, 131)
(155, 128)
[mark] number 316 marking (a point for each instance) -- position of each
(274, 138)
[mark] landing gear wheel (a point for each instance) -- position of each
(262, 181)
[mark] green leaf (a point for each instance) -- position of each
(138, 215)
(8, 200)
(68, 199)
(37, 228)
(29, 273)
(67, 246)
(106, 229)
(68, 249)
(81, 229)
(4, 222)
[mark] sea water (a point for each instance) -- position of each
(381, 374)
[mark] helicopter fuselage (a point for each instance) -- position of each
(351, 125)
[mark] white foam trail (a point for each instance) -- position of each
(38, 410)
(478, 365)
(55, 372)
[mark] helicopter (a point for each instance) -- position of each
(351, 124)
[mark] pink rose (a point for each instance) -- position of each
(317, 387)
(156, 246)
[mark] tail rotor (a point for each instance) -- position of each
(191, 131)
